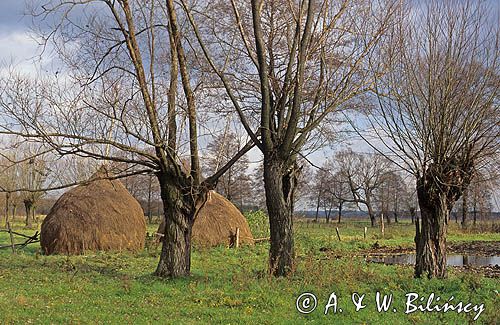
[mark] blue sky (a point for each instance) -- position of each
(19, 48)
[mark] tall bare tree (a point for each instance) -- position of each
(127, 92)
(438, 85)
(290, 65)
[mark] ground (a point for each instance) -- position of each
(231, 286)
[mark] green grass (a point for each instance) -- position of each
(231, 286)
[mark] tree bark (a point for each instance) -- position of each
(464, 208)
(28, 205)
(317, 206)
(150, 214)
(340, 211)
(371, 215)
(7, 203)
(175, 257)
(474, 213)
(430, 236)
(279, 186)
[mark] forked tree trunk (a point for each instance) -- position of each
(279, 186)
(430, 236)
(175, 257)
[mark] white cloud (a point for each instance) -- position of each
(21, 52)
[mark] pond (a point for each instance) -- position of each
(452, 260)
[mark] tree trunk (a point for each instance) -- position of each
(150, 214)
(28, 205)
(474, 212)
(279, 186)
(14, 211)
(430, 237)
(396, 210)
(464, 208)
(371, 215)
(412, 213)
(340, 210)
(179, 209)
(7, 203)
(317, 206)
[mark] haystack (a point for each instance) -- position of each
(216, 223)
(100, 215)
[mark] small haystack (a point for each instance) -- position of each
(100, 215)
(216, 223)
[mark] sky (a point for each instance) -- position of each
(16, 43)
(19, 49)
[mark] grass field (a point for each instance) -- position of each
(231, 286)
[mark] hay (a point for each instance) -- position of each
(216, 223)
(101, 215)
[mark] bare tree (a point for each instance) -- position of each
(438, 86)
(292, 63)
(9, 178)
(146, 189)
(329, 190)
(365, 174)
(235, 183)
(390, 195)
(129, 95)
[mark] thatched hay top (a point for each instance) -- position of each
(216, 223)
(100, 215)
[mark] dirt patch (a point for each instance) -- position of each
(483, 248)
(492, 271)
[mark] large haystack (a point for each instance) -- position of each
(216, 223)
(101, 215)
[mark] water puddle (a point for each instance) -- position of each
(452, 260)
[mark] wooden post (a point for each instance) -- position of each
(338, 234)
(364, 234)
(237, 238)
(11, 238)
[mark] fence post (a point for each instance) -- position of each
(338, 234)
(364, 234)
(237, 237)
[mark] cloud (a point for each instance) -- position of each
(22, 53)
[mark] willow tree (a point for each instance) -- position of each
(286, 67)
(438, 109)
(127, 90)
